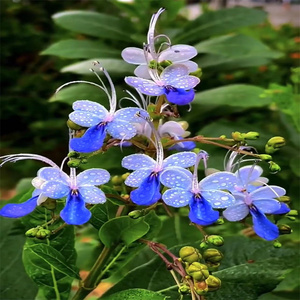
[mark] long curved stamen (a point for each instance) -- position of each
(202, 155)
(23, 156)
(104, 88)
(134, 99)
(152, 72)
(113, 98)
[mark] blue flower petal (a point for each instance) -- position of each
(182, 159)
(201, 211)
(136, 178)
(92, 140)
(137, 161)
(18, 210)
(183, 146)
(176, 177)
(177, 197)
(149, 191)
(218, 181)
(131, 114)
(248, 174)
(119, 129)
(179, 96)
(55, 189)
(75, 212)
(50, 173)
(262, 226)
(93, 176)
(284, 209)
(218, 199)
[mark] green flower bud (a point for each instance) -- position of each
(237, 136)
(84, 161)
(265, 157)
(216, 240)
(277, 244)
(32, 232)
(293, 213)
(284, 229)
(286, 200)
(73, 125)
(43, 233)
(274, 167)
(200, 287)
(135, 214)
(203, 245)
(189, 254)
(291, 218)
(184, 124)
(165, 63)
(220, 221)
(212, 267)
(223, 136)
(74, 154)
(117, 180)
(274, 144)
(251, 135)
(213, 283)
(49, 204)
(197, 73)
(184, 289)
(198, 271)
(124, 176)
(212, 255)
(74, 163)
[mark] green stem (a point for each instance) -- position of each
(91, 281)
(168, 288)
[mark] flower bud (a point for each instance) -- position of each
(117, 180)
(50, 204)
(212, 267)
(203, 245)
(43, 233)
(189, 254)
(251, 135)
(32, 232)
(212, 255)
(277, 244)
(291, 218)
(293, 213)
(200, 287)
(223, 136)
(197, 73)
(213, 283)
(73, 125)
(274, 144)
(237, 136)
(165, 63)
(184, 124)
(74, 154)
(216, 240)
(124, 176)
(274, 167)
(184, 289)
(74, 163)
(284, 229)
(84, 161)
(135, 214)
(265, 157)
(198, 271)
(220, 221)
(286, 200)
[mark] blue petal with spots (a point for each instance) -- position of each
(137, 161)
(55, 189)
(179, 96)
(149, 191)
(218, 180)
(75, 212)
(262, 226)
(177, 197)
(50, 173)
(92, 140)
(201, 211)
(18, 210)
(119, 129)
(136, 178)
(92, 195)
(183, 146)
(284, 209)
(182, 159)
(131, 114)
(218, 199)
(93, 177)
(176, 177)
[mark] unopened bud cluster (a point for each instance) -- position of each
(38, 232)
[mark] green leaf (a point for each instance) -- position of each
(15, 284)
(44, 255)
(219, 22)
(94, 24)
(80, 49)
(135, 294)
(122, 229)
(112, 65)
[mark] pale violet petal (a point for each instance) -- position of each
(142, 71)
(248, 174)
(41, 199)
(90, 106)
(236, 212)
(49, 173)
(131, 114)
(177, 197)
(183, 159)
(191, 65)
(218, 199)
(218, 181)
(119, 129)
(171, 128)
(137, 161)
(267, 206)
(267, 192)
(136, 178)
(134, 55)
(84, 118)
(145, 86)
(178, 53)
(55, 189)
(93, 177)
(172, 72)
(185, 82)
(174, 177)
(91, 194)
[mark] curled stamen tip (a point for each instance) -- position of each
(203, 155)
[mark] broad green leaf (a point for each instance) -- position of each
(94, 24)
(46, 257)
(112, 65)
(135, 294)
(219, 22)
(122, 229)
(15, 283)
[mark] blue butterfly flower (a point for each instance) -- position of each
(147, 174)
(174, 82)
(257, 202)
(79, 190)
(202, 197)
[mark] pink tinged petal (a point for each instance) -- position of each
(93, 177)
(236, 212)
(219, 180)
(119, 129)
(134, 56)
(90, 106)
(183, 159)
(55, 189)
(177, 197)
(176, 178)
(142, 71)
(91, 194)
(267, 206)
(218, 199)
(178, 53)
(185, 82)
(137, 161)
(267, 192)
(131, 114)
(85, 119)
(56, 174)
(248, 174)
(136, 178)
(171, 128)
(191, 65)
(145, 86)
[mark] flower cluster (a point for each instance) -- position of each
(161, 71)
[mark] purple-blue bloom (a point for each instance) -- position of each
(202, 197)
